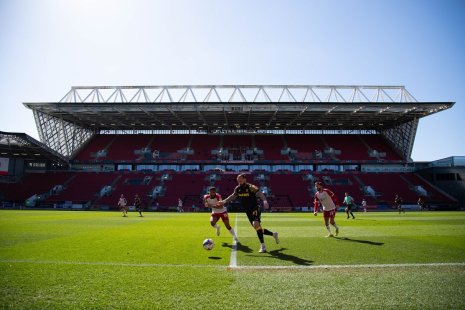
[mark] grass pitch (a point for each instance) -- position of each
(60, 259)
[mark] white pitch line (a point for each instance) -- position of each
(121, 264)
(353, 266)
(233, 258)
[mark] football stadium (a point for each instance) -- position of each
(66, 244)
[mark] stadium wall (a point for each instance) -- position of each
(448, 179)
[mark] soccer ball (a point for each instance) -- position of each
(208, 244)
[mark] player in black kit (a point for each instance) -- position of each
(247, 194)
(138, 205)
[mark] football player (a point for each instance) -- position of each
(123, 205)
(138, 205)
(349, 203)
(247, 194)
(218, 212)
(329, 201)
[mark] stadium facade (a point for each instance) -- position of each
(170, 142)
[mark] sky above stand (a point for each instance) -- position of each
(48, 46)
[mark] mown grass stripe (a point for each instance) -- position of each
(121, 264)
(355, 266)
(118, 264)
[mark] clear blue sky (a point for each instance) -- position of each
(48, 46)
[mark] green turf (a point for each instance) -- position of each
(383, 238)
(59, 259)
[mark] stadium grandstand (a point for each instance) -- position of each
(170, 142)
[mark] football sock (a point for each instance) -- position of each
(260, 235)
(335, 226)
(329, 230)
(233, 233)
(267, 232)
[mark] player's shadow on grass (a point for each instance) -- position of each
(214, 257)
(291, 258)
(239, 247)
(360, 241)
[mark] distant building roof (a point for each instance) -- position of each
(20, 145)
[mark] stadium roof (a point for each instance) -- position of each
(87, 110)
(20, 145)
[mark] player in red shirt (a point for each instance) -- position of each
(211, 201)
(328, 200)
(123, 205)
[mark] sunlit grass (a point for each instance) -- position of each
(60, 259)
